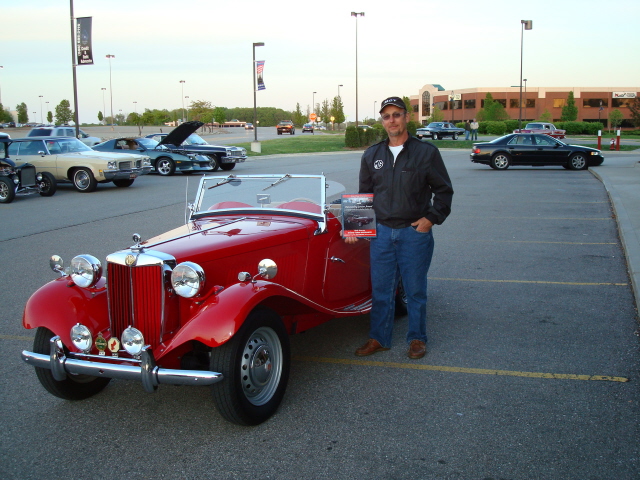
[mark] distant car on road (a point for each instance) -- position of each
(64, 131)
(248, 126)
(439, 130)
(182, 139)
(542, 127)
(535, 150)
(365, 127)
(164, 161)
(286, 126)
(307, 127)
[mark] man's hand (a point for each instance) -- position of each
(350, 240)
(422, 225)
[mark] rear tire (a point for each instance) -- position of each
(48, 185)
(255, 364)
(75, 387)
(7, 190)
(500, 161)
(84, 181)
(227, 166)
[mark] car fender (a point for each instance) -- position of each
(60, 304)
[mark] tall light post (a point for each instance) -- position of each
(374, 109)
(104, 108)
(135, 107)
(452, 98)
(40, 96)
(109, 56)
(357, 14)
(47, 109)
(182, 96)
(339, 97)
(313, 110)
(255, 148)
(1, 68)
(187, 97)
(525, 97)
(525, 25)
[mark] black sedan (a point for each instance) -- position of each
(534, 150)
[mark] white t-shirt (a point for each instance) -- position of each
(395, 151)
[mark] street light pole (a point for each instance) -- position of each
(182, 86)
(1, 68)
(313, 110)
(109, 56)
(525, 97)
(357, 14)
(374, 110)
(187, 97)
(255, 89)
(452, 98)
(525, 25)
(339, 91)
(40, 96)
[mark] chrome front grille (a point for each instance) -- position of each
(28, 176)
(125, 165)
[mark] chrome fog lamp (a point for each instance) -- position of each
(132, 341)
(81, 337)
(86, 270)
(187, 279)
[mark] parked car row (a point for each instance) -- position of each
(50, 155)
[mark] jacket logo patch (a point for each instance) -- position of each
(378, 164)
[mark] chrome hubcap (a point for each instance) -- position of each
(82, 179)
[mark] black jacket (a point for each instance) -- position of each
(403, 193)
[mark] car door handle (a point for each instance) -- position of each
(336, 259)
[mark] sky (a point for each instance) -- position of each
(309, 47)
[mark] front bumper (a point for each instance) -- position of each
(232, 159)
(123, 174)
(146, 372)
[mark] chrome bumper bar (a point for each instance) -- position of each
(148, 373)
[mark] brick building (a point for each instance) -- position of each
(594, 104)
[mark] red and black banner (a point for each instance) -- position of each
(83, 41)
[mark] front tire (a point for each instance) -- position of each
(578, 162)
(123, 182)
(7, 190)
(84, 181)
(500, 161)
(48, 185)
(165, 166)
(227, 166)
(455, 136)
(74, 387)
(215, 164)
(255, 364)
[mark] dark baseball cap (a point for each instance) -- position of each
(395, 101)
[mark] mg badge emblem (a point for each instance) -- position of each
(130, 260)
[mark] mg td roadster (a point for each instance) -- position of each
(212, 302)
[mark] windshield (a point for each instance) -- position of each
(194, 139)
(67, 145)
(306, 194)
(147, 142)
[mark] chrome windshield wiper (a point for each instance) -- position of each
(223, 182)
(280, 180)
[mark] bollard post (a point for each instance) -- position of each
(618, 140)
(599, 139)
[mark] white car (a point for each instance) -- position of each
(70, 160)
(64, 131)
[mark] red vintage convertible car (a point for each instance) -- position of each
(211, 302)
(542, 127)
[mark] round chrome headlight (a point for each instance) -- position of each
(132, 341)
(86, 270)
(81, 337)
(187, 279)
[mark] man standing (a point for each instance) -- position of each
(467, 129)
(404, 174)
(474, 130)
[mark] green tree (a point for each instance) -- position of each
(436, 116)
(5, 116)
(50, 116)
(219, 115)
(100, 116)
(634, 108)
(325, 111)
(492, 111)
(63, 113)
(546, 116)
(23, 114)
(337, 110)
(298, 117)
(615, 118)
(569, 111)
(199, 109)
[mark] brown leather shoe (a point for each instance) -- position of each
(372, 346)
(417, 349)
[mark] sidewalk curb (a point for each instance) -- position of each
(629, 238)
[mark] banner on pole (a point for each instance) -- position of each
(259, 70)
(83, 41)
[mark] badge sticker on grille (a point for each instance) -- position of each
(101, 343)
(114, 346)
(130, 259)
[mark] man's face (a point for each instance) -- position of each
(394, 120)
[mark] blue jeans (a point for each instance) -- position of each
(396, 253)
(466, 134)
(474, 134)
